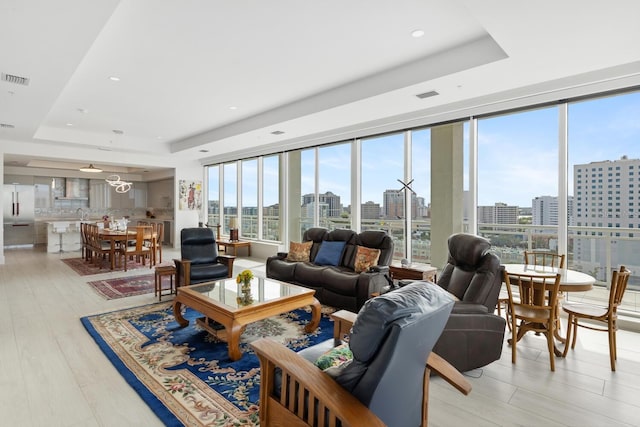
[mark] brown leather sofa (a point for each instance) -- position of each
(337, 285)
(474, 335)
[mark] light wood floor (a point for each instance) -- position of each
(53, 374)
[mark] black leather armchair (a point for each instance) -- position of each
(474, 335)
(200, 261)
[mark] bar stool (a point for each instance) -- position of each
(60, 228)
(161, 271)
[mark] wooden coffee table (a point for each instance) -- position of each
(226, 313)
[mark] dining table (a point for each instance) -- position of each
(570, 281)
(114, 236)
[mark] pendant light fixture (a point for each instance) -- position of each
(90, 168)
(119, 185)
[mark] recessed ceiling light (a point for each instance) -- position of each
(204, 151)
(277, 132)
(82, 110)
(69, 124)
(417, 33)
(233, 107)
(114, 78)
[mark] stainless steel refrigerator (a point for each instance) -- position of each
(19, 212)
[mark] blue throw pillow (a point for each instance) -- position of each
(329, 253)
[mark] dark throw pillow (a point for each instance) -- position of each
(330, 253)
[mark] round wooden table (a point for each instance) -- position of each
(570, 281)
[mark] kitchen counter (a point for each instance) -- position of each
(63, 235)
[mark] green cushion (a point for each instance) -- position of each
(334, 357)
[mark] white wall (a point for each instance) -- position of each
(190, 171)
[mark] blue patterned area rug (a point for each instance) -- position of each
(185, 374)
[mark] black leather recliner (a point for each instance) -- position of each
(200, 261)
(474, 335)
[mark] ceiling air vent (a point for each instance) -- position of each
(10, 78)
(6, 126)
(427, 94)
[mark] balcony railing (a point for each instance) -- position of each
(593, 250)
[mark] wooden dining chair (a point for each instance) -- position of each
(605, 314)
(84, 242)
(159, 237)
(139, 250)
(536, 309)
(99, 249)
(543, 258)
(534, 258)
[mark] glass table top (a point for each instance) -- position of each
(230, 293)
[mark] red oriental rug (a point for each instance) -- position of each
(84, 268)
(124, 287)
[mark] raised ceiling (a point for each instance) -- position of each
(200, 79)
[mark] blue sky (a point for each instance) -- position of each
(517, 155)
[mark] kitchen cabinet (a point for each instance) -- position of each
(42, 192)
(140, 190)
(40, 233)
(104, 196)
(99, 194)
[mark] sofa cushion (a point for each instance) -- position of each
(330, 253)
(340, 280)
(365, 258)
(309, 274)
(299, 251)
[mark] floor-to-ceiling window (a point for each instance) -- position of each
(520, 161)
(334, 190)
(213, 195)
(604, 181)
(421, 199)
(249, 214)
(271, 198)
(307, 189)
(230, 189)
(518, 182)
(382, 197)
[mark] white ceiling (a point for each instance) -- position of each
(315, 70)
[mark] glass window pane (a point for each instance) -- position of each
(307, 188)
(334, 186)
(230, 182)
(421, 200)
(517, 166)
(250, 198)
(603, 179)
(382, 202)
(213, 196)
(271, 198)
